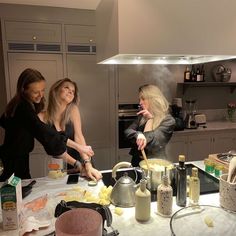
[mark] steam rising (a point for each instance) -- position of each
(161, 76)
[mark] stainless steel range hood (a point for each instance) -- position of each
(165, 31)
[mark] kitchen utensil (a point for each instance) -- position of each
(221, 74)
(145, 158)
(190, 122)
(26, 190)
(227, 194)
(123, 192)
(193, 221)
(232, 169)
(157, 170)
(226, 75)
(217, 70)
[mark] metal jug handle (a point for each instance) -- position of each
(118, 166)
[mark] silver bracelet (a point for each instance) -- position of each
(87, 161)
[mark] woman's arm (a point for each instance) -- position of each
(79, 138)
(70, 143)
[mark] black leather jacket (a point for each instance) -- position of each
(156, 139)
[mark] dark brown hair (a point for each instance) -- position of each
(27, 77)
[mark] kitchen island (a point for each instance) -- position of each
(125, 223)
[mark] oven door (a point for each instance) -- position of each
(124, 123)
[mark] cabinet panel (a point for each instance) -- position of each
(80, 34)
(199, 147)
(93, 86)
(33, 32)
(129, 82)
(224, 142)
(51, 68)
(176, 146)
(50, 65)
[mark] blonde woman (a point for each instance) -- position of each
(153, 127)
(63, 114)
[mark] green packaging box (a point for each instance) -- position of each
(11, 202)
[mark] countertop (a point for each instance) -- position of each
(211, 126)
(125, 224)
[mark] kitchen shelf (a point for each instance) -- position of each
(187, 85)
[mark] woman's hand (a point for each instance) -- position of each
(145, 113)
(84, 149)
(91, 172)
(141, 141)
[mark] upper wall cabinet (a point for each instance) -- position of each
(80, 39)
(33, 32)
(33, 36)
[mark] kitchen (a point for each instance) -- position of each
(117, 85)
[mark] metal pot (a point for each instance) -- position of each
(156, 172)
(123, 192)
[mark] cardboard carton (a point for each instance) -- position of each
(11, 201)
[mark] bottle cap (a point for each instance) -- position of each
(182, 158)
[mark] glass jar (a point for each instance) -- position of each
(209, 165)
(57, 167)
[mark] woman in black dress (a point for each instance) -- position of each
(22, 125)
(64, 115)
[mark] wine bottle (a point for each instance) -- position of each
(198, 75)
(193, 74)
(187, 74)
(181, 182)
(202, 72)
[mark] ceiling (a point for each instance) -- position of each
(78, 4)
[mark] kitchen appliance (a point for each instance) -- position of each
(208, 183)
(200, 119)
(123, 192)
(156, 171)
(126, 115)
(176, 112)
(156, 38)
(190, 122)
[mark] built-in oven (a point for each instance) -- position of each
(127, 114)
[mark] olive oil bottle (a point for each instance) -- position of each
(194, 187)
(181, 182)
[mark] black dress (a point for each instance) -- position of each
(70, 133)
(156, 139)
(20, 131)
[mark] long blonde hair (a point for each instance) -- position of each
(158, 105)
(53, 103)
